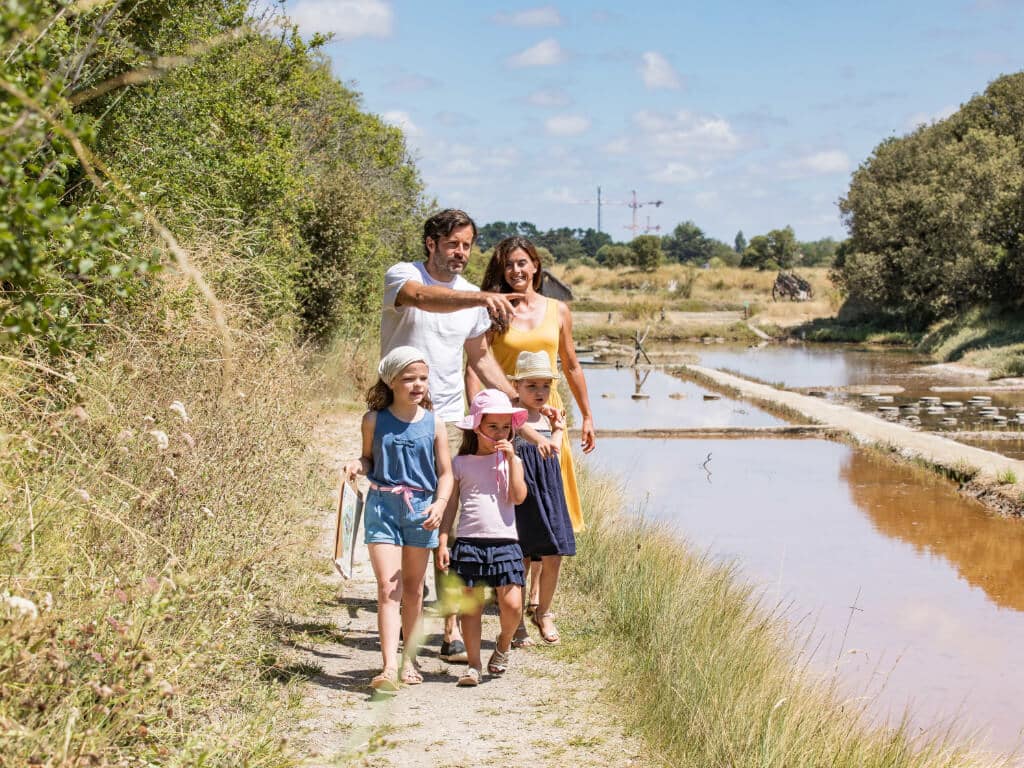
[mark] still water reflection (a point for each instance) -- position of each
(933, 583)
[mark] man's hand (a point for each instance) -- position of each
(501, 306)
(351, 469)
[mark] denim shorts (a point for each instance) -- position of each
(388, 519)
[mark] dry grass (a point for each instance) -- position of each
(155, 524)
(721, 288)
(711, 675)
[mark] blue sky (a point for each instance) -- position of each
(737, 115)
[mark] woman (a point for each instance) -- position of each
(540, 324)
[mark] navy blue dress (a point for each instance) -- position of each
(542, 520)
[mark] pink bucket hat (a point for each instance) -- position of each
(495, 402)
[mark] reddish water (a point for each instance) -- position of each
(934, 584)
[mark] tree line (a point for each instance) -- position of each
(686, 244)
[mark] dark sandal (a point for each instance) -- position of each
(551, 638)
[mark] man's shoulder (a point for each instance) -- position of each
(407, 269)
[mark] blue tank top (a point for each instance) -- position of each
(403, 453)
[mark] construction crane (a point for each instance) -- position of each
(632, 203)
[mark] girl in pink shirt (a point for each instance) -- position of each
(488, 483)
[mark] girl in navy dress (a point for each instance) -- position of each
(542, 518)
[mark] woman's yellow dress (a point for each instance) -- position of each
(544, 338)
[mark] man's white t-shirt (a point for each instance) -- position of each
(439, 335)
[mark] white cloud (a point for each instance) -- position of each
(348, 19)
(546, 16)
(684, 134)
(675, 173)
(550, 97)
(558, 195)
(658, 73)
(546, 53)
(819, 163)
(619, 146)
(401, 120)
(567, 125)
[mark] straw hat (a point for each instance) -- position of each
(533, 365)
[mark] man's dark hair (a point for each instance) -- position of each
(443, 224)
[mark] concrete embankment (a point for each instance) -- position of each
(987, 471)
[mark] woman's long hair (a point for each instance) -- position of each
(380, 396)
(494, 277)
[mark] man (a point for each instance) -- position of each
(430, 306)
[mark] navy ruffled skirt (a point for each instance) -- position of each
(488, 562)
(542, 520)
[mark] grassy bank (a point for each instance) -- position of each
(152, 532)
(713, 676)
(992, 339)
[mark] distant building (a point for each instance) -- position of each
(554, 288)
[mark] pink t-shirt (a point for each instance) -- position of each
(484, 515)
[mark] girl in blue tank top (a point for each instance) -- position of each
(405, 457)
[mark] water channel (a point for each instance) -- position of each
(913, 592)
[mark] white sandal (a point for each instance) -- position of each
(469, 678)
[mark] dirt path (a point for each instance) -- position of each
(546, 711)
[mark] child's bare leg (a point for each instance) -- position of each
(548, 585)
(535, 569)
(414, 571)
(471, 625)
(510, 610)
(386, 560)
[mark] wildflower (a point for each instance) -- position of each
(148, 420)
(170, 473)
(166, 689)
(79, 413)
(20, 605)
(161, 438)
(179, 408)
(47, 602)
(83, 495)
(206, 511)
(189, 440)
(125, 435)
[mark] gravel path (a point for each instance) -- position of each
(545, 711)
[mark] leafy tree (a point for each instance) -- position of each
(818, 253)
(489, 235)
(775, 250)
(740, 242)
(647, 253)
(688, 243)
(936, 218)
(615, 255)
(725, 254)
(592, 241)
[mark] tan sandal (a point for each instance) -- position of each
(411, 676)
(469, 678)
(498, 663)
(522, 639)
(551, 638)
(386, 681)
